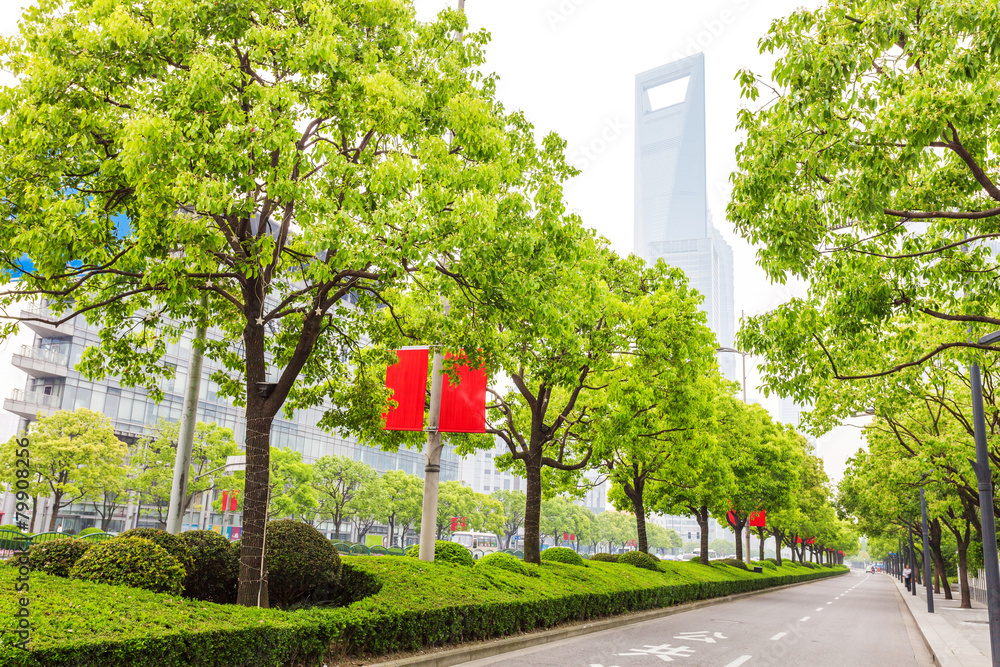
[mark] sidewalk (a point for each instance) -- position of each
(956, 637)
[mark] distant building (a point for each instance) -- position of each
(672, 221)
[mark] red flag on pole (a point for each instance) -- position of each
(225, 501)
(565, 537)
(233, 495)
(731, 518)
(798, 540)
(407, 379)
(454, 523)
(463, 406)
(572, 537)
(758, 519)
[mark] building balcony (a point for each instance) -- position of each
(44, 323)
(28, 404)
(37, 362)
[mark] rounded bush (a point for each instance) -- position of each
(605, 558)
(88, 531)
(508, 562)
(773, 561)
(215, 569)
(733, 562)
(811, 566)
(10, 526)
(173, 544)
(766, 564)
(299, 561)
(131, 561)
(562, 555)
(56, 556)
(639, 559)
(446, 552)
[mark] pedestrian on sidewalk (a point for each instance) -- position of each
(907, 572)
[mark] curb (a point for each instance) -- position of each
(491, 648)
(948, 648)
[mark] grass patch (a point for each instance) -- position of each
(409, 605)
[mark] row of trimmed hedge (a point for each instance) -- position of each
(392, 605)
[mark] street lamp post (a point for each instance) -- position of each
(743, 354)
(984, 477)
(913, 561)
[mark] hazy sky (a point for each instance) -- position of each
(571, 66)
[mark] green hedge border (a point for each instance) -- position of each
(396, 616)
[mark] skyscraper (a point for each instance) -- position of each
(672, 221)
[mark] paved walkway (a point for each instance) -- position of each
(956, 637)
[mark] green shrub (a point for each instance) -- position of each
(811, 566)
(215, 569)
(88, 531)
(10, 526)
(639, 559)
(300, 562)
(173, 544)
(446, 552)
(131, 561)
(562, 555)
(733, 562)
(766, 564)
(56, 557)
(773, 561)
(508, 562)
(605, 558)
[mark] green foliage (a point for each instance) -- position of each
(404, 604)
(604, 558)
(446, 552)
(508, 562)
(732, 562)
(562, 555)
(86, 531)
(56, 557)
(300, 561)
(215, 568)
(74, 456)
(767, 564)
(174, 544)
(639, 559)
(131, 561)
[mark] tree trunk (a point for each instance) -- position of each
(634, 492)
(56, 499)
(253, 567)
(739, 543)
(392, 531)
(532, 512)
(702, 516)
(934, 542)
(777, 545)
(761, 549)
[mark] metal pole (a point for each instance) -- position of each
(744, 355)
(985, 481)
(927, 558)
(185, 437)
(913, 562)
(432, 470)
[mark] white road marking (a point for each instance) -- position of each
(829, 602)
(819, 608)
(739, 661)
(778, 636)
(804, 619)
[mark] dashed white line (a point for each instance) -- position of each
(829, 602)
(739, 661)
(778, 636)
(804, 619)
(819, 608)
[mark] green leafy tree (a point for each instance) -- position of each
(286, 167)
(722, 547)
(404, 494)
(870, 173)
(368, 506)
(489, 515)
(455, 501)
(655, 391)
(291, 489)
(513, 511)
(337, 480)
(153, 457)
(73, 455)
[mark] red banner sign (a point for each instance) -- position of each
(758, 519)
(407, 379)
(463, 406)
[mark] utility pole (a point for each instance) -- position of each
(432, 466)
(189, 417)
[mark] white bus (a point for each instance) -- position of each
(485, 543)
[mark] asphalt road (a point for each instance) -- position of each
(857, 619)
